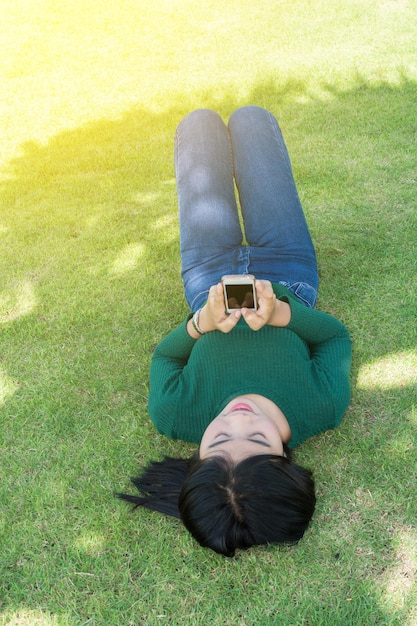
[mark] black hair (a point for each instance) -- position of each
(227, 506)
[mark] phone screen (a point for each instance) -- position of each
(239, 296)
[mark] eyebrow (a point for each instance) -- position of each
(218, 443)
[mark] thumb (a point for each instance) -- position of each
(253, 320)
(230, 322)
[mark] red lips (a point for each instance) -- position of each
(241, 406)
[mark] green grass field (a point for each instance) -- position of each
(89, 282)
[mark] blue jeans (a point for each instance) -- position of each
(209, 159)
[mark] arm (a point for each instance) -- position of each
(168, 362)
(327, 338)
(330, 348)
(171, 355)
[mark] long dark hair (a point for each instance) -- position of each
(226, 506)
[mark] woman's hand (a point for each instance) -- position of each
(270, 310)
(213, 315)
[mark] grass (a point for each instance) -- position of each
(89, 283)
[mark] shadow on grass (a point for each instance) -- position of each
(91, 282)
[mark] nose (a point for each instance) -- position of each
(240, 417)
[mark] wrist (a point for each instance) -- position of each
(203, 321)
(195, 320)
(190, 330)
(197, 325)
(282, 314)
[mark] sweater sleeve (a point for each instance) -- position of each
(330, 349)
(168, 361)
(177, 345)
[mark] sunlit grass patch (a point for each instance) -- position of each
(17, 301)
(392, 371)
(399, 581)
(7, 387)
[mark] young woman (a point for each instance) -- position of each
(248, 386)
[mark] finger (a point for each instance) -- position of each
(264, 287)
(253, 320)
(259, 285)
(262, 284)
(213, 291)
(219, 291)
(213, 295)
(230, 322)
(218, 300)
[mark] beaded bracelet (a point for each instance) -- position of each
(195, 319)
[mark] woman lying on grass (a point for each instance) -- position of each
(249, 385)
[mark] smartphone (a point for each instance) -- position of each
(239, 291)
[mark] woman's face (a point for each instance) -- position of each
(241, 430)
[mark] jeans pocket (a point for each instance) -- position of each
(304, 292)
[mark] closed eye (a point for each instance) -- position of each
(250, 438)
(261, 443)
(218, 443)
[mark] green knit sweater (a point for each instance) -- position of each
(303, 368)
